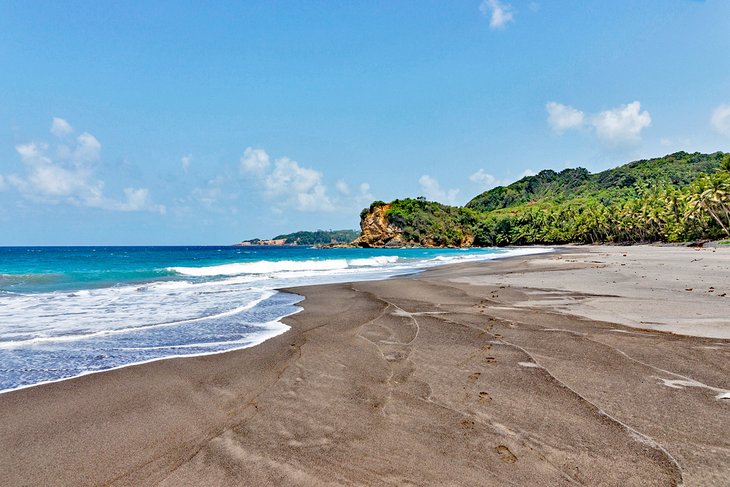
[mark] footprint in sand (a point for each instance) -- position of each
(484, 397)
(468, 424)
(505, 454)
(490, 360)
(474, 376)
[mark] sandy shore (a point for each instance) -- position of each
(549, 370)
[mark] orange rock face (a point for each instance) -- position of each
(376, 231)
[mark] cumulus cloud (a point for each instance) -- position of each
(720, 119)
(255, 161)
(185, 162)
(286, 183)
(500, 14)
(617, 126)
(300, 187)
(622, 124)
(60, 127)
(88, 149)
(289, 185)
(432, 190)
(485, 180)
(46, 178)
(563, 117)
(69, 176)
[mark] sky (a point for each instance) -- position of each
(160, 123)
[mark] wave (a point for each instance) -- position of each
(115, 331)
(270, 267)
(267, 330)
(188, 311)
(374, 261)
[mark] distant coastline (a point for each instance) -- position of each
(279, 242)
(317, 237)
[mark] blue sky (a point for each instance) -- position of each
(158, 123)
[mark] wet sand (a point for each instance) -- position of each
(527, 371)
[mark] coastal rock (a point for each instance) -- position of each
(380, 230)
(376, 230)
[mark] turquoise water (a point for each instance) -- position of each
(67, 311)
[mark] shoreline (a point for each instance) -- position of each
(439, 377)
(539, 250)
(133, 364)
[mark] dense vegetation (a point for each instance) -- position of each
(679, 197)
(431, 223)
(608, 187)
(319, 237)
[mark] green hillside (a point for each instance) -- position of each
(319, 237)
(675, 170)
(675, 198)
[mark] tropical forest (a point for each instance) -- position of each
(680, 197)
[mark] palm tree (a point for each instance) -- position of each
(710, 194)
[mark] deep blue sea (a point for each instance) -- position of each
(68, 311)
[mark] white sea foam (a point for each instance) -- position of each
(260, 267)
(61, 334)
(146, 327)
(268, 330)
(270, 267)
(373, 261)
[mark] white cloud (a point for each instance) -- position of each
(526, 172)
(48, 179)
(211, 193)
(365, 192)
(287, 184)
(485, 180)
(138, 199)
(185, 162)
(342, 187)
(720, 119)
(69, 177)
(135, 199)
(563, 117)
(621, 124)
(87, 150)
(3, 184)
(617, 126)
(254, 160)
(297, 187)
(500, 14)
(432, 190)
(353, 198)
(60, 127)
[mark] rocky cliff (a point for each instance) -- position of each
(376, 231)
(412, 223)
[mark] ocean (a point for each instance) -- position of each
(69, 311)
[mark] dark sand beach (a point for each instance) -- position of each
(590, 366)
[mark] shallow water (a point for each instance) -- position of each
(68, 311)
